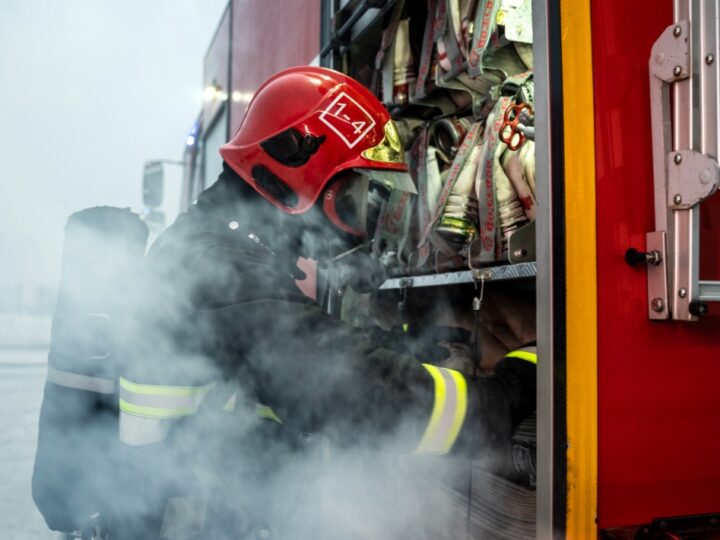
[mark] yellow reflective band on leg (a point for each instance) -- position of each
(523, 355)
(449, 410)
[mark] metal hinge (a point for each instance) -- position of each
(685, 166)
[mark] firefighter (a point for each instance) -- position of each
(224, 323)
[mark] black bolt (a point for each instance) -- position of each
(698, 309)
(635, 257)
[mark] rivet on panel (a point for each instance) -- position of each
(705, 176)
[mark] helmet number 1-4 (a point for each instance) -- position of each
(347, 119)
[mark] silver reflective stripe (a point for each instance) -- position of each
(80, 382)
(449, 410)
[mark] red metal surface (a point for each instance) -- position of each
(659, 398)
(269, 36)
(215, 68)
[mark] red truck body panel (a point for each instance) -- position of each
(269, 36)
(659, 401)
(215, 68)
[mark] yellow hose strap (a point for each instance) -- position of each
(448, 412)
(524, 354)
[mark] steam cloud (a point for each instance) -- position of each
(317, 475)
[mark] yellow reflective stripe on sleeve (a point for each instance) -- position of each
(147, 410)
(155, 412)
(449, 410)
(161, 401)
(437, 411)
(460, 408)
(523, 355)
(160, 390)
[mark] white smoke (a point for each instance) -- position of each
(318, 475)
(90, 91)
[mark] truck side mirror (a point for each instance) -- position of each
(153, 184)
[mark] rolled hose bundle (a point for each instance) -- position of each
(101, 265)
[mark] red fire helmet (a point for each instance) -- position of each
(305, 125)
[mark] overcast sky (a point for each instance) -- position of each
(89, 90)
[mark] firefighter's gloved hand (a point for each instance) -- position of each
(360, 270)
(497, 404)
(459, 356)
(517, 377)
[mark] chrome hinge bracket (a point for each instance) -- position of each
(692, 178)
(670, 60)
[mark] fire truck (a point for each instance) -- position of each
(616, 104)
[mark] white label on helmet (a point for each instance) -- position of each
(347, 119)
